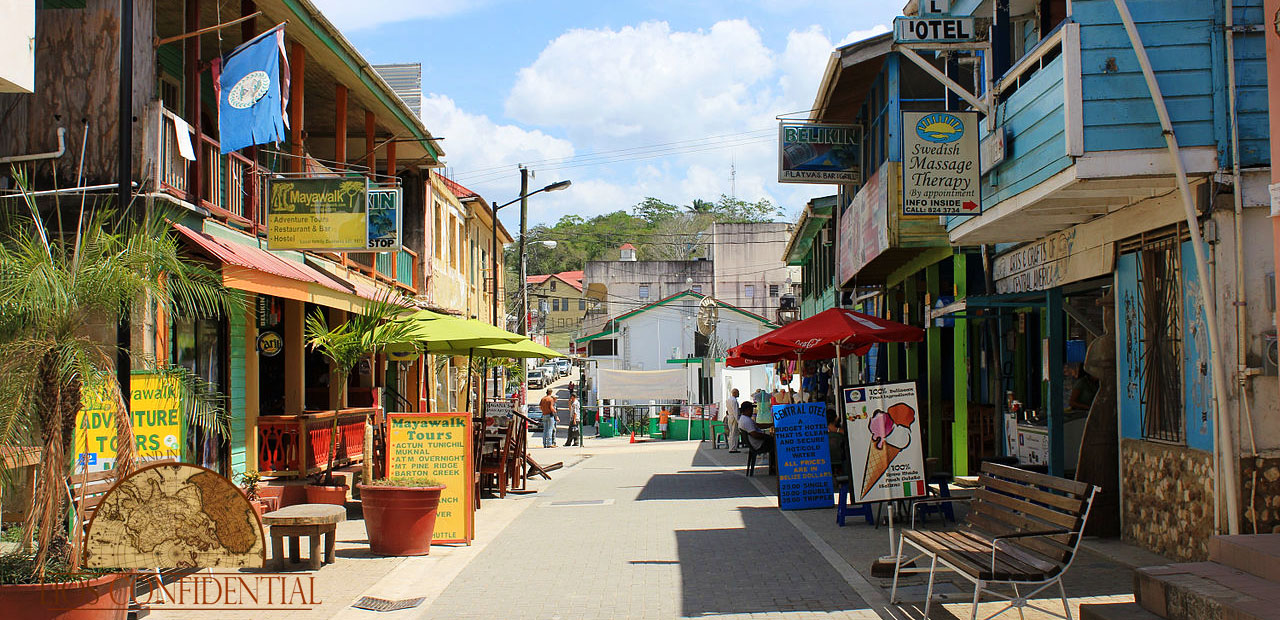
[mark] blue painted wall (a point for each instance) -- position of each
(1197, 388)
(1251, 87)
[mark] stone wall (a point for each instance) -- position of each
(1168, 498)
(1267, 496)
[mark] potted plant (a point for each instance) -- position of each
(400, 514)
(249, 482)
(345, 345)
(56, 284)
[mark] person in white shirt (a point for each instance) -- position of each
(575, 420)
(760, 440)
(731, 421)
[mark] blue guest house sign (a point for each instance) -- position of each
(804, 460)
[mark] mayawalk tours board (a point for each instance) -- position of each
(323, 214)
(436, 445)
(885, 450)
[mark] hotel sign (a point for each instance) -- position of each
(934, 29)
(819, 153)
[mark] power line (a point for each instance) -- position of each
(610, 152)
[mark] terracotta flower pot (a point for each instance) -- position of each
(400, 520)
(320, 494)
(103, 598)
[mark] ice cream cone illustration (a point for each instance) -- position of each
(890, 434)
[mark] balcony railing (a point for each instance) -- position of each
(231, 190)
(298, 445)
(400, 268)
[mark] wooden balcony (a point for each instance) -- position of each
(231, 189)
(298, 445)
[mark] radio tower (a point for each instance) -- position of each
(733, 180)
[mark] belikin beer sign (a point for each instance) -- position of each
(819, 153)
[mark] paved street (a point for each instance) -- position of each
(651, 531)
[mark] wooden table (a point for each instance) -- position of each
(310, 520)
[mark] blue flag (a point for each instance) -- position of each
(250, 107)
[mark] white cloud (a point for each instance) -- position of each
(348, 15)
(858, 35)
(645, 80)
(490, 151)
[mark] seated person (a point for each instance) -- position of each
(760, 440)
(837, 444)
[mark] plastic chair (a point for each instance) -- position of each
(941, 508)
(752, 452)
(719, 433)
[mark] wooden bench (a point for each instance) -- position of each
(1023, 528)
(315, 521)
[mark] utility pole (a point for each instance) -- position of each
(524, 231)
(124, 175)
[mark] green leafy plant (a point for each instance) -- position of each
(63, 290)
(345, 344)
(249, 481)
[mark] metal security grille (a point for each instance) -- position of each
(1160, 304)
(382, 604)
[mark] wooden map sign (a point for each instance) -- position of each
(438, 446)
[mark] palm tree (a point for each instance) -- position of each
(55, 285)
(347, 343)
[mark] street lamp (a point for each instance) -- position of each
(524, 216)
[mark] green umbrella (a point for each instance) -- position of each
(441, 334)
(518, 350)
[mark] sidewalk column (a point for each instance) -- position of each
(251, 397)
(892, 308)
(297, 71)
(911, 301)
(295, 367)
(1056, 333)
(340, 126)
(336, 394)
(933, 342)
(960, 427)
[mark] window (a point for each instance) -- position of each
(438, 233)
(602, 347)
(773, 290)
(644, 291)
(453, 245)
(1160, 300)
(697, 288)
(749, 291)
(553, 286)
(582, 304)
(555, 304)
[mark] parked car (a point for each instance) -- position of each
(549, 372)
(565, 366)
(537, 379)
(534, 413)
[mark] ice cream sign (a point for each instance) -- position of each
(884, 442)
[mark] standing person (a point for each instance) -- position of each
(663, 417)
(575, 421)
(548, 407)
(731, 421)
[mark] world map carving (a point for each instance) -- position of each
(174, 516)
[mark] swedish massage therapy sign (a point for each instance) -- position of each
(804, 460)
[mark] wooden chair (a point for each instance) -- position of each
(501, 466)
(1023, 529)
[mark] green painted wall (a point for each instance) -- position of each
(960, 427)
(236, 393)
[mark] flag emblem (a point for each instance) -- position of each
(249, 90)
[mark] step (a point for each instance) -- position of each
(1205, 591)
(1115, 611)
(1256, 554)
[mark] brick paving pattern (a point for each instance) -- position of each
(678, 540)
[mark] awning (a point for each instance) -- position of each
(812, 220)
(256, 270)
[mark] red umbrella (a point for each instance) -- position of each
(831, 333)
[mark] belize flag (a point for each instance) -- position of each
(251, 101)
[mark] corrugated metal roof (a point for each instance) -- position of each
(406, 81)
(256, 258)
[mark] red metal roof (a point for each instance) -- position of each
(457, 189)
(230, 253)
(627, 246)
(572, 278)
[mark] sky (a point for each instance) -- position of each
(674, 99)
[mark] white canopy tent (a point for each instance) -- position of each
(644, 385)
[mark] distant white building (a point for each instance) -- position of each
(663, 335)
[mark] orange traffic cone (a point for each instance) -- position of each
(633, 436)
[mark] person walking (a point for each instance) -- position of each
(731, 421)
(548, 407)
(575, 421)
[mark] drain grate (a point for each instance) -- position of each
(382, 604)
(578, 502)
